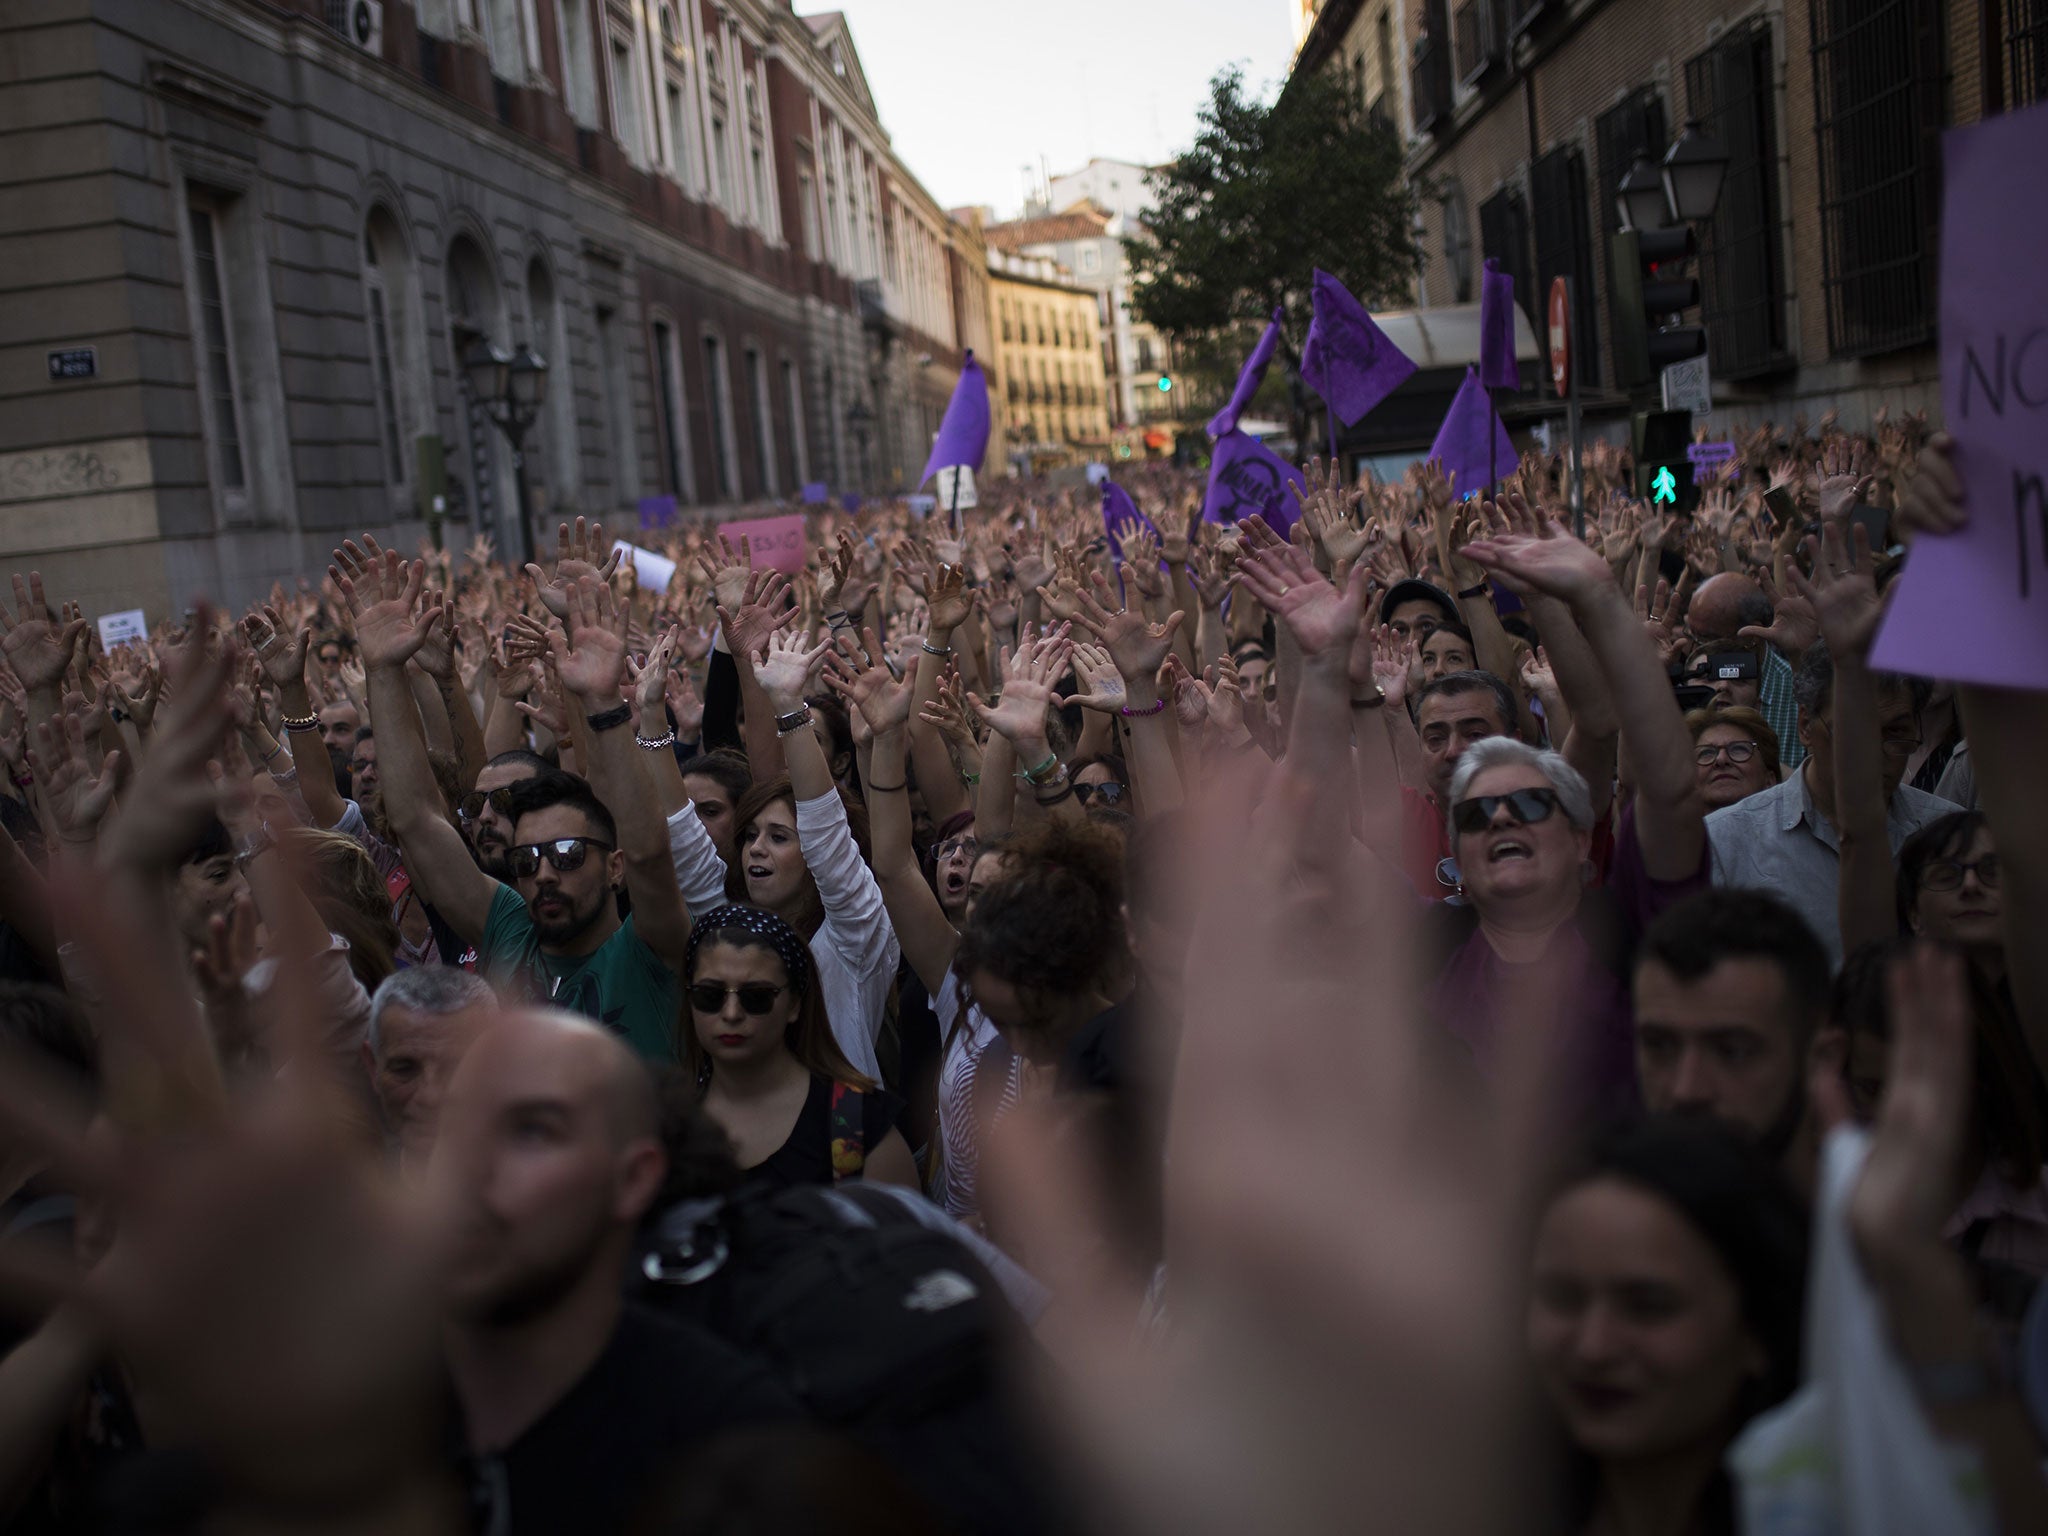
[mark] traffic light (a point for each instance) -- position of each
(1652, 285)
(1165, 384)
(1663, 472)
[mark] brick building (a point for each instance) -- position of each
(281, 224)
(1818, 270)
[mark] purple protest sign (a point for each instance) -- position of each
(1974, 605)
(850, 501)
(1497, 329)
(963, 430)
(1461, 442)
(1348, 360)
(1247, 479)
(1249, 378)
(657, 511)
(816, 493)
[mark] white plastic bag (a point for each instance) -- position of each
(1852, 1454)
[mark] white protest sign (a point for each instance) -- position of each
(122, 628)
(653, 571)
(943, 486)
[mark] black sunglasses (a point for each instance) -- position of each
(1107, 793)
(756, 997)
(473, 803)
(564, 854)
(1526, 806)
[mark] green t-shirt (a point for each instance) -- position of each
(624, 985)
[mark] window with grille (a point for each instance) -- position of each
(216, 349)
(1504, 240)
(2019, 71)
(1742, 276)
(1633, 126)
(1877, 112)
(1564, 248)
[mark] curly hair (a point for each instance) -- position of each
(1053, 927)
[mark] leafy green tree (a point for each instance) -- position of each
(1267, 193)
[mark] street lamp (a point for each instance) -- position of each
(1640, 197)
(860, 421)
(510, 387)
(1693, 169)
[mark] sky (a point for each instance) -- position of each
(972, 91)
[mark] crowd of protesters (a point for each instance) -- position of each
(1327, 1022)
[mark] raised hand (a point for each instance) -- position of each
(1842, 481)
(1386, 665)
(77, 792)
(729, 571)
(1210, 573)
(758, 613)
(591, 657)
(1794, 625)
(946, 712)
(38, 649)
(842, 586)
(437, 652)
(1659, 612)
(1029, 674)
(579, 552)
(1137, 647)
(1323, 620)
(784, 669)
(650, 677)
(1102, 684)
(1842, 590)
(481, 551)
(280, 649)
(172, 796)
(546, 704)
(1141, 559)
(946, 598)
(871, 690)
(1328, 508)
(382, 591)
(1549, 562)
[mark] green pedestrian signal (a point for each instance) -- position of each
(1664, 486)
(1165, 385)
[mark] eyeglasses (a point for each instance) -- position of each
(1738, 752)
(1947, 874)
(473, 803)
(756, 997)
(563, 854)
(953, 847)
(1526, 806)
(1107, 793)
(1901, 746)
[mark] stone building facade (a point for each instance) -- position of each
(1048, 344)
(279, 225)
(1818, 271)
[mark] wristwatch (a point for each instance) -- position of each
(610, 719)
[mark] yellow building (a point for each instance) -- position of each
(1048, 342)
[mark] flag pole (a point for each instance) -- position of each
(1492, 444)
(953, 517)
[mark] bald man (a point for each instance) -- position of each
(573, 1402)
(1724, 607)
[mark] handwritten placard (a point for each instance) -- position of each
(1973, 605)
(777, 542)
(122, 628)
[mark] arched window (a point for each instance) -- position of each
(671, 396)
(476, 313)
(391, 319)
(548, 334)
(676, 97)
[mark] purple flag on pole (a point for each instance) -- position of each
(1461, 442)
(1249, 378)
(963, 432)
(1247, 479)
(1497, 329)
(1348, 360)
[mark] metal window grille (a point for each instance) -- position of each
(1504, 239)
(1877, 89)
(1742, 276)
(2022, 69)
(1564, 248)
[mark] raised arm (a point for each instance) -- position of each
(1019, 718)
(1670, 818)
(451, 700)
(383, 593)
(591, 660)
(948, 609)
(928, 939)
(283, 656)
(1138, 649)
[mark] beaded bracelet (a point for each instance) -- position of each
(1142, 714)
(655, 743)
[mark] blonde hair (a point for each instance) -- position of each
(350, 896)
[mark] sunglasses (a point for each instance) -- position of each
(1947, 874)
(1738, 752)
(756, 997)
(1103, 794)
(473, 803)
(1526, 806)
(563, 854)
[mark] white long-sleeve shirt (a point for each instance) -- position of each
(700, 872)
(855, 950)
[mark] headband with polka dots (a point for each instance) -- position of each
(788, 944)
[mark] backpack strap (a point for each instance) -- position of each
(849, 1147)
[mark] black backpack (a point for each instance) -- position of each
(887, 1329)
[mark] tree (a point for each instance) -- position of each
(1268, 192)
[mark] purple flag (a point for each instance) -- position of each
(963, 433)
(1461, 442)
(816, 493)
(1116, 507)
(657, 511)
(1249, 378)
(1247, 479)
(1497, 329)
(1348, 360)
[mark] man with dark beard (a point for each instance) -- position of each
(573, 1403)
(1731, 993)
(486, 811)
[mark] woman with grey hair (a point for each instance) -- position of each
(1539, 939)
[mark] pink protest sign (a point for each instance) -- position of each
(777, 541)
(1974, 605)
